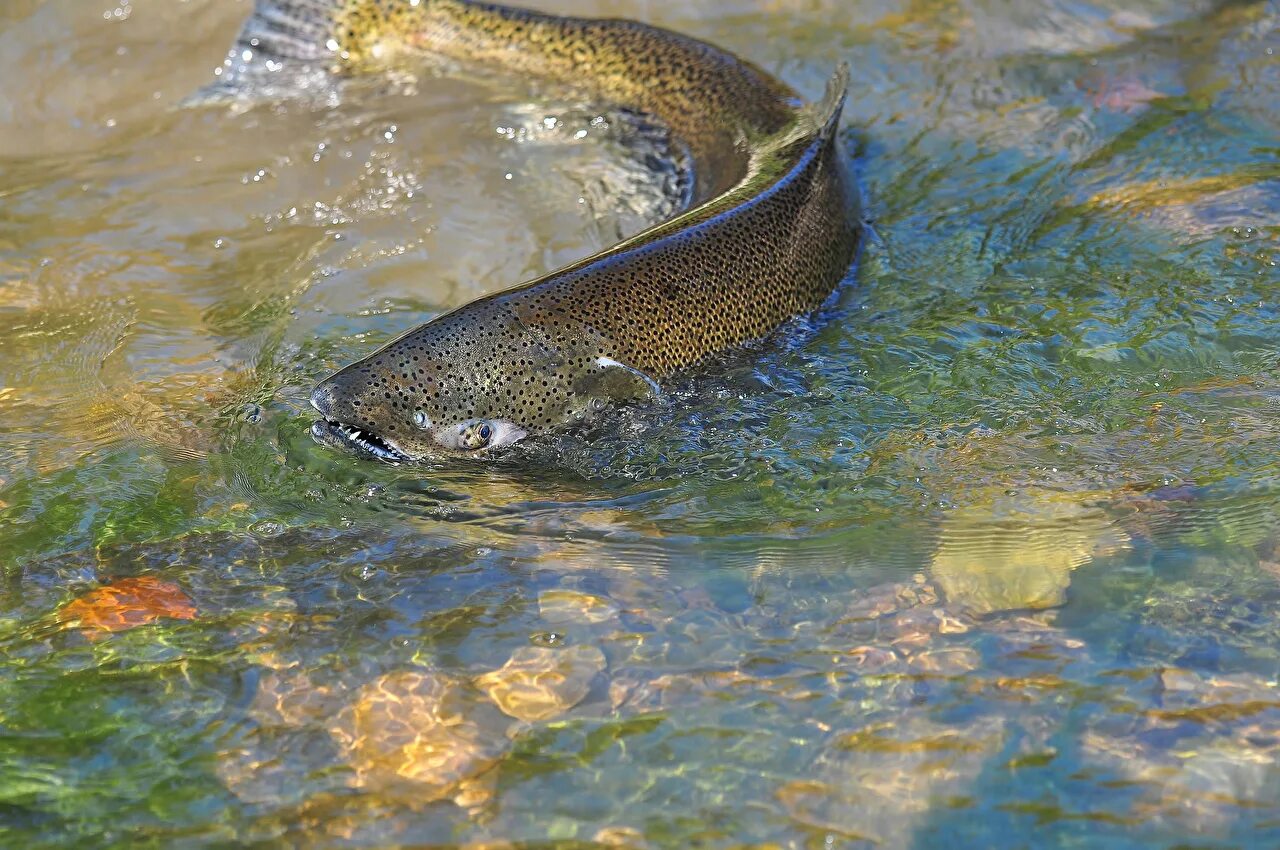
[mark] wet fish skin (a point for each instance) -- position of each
(773, 228)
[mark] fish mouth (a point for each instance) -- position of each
(340, 435)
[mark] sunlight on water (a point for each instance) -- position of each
(987, 554)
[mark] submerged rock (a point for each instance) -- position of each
(538, 683)
(126, 604)
(570, 607)
(1010, 555)
(416, 732)
(879, 782)
(1204, 748)
(290, 698)
(620, 836)
(946, 661)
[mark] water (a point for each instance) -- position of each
(988, 554)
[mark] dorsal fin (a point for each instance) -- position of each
(823, 116)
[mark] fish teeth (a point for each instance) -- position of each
(351, 432)
(366, 441)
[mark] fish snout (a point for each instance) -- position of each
(322, 399)
(345, 397)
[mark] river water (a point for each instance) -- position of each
(987, 554)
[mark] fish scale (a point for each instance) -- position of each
(772, 227)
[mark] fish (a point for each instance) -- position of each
(772, 225)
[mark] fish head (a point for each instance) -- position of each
(472, 382)
(461, 385)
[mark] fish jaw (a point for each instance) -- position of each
(368, 409)
(346, 436)
(367, 427)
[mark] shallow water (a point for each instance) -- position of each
(989, 553)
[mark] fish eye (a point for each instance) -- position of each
(420, 419)
(475, 435)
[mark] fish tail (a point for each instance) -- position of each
(316, 36)
(291, 29)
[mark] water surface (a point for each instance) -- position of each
(988, 553)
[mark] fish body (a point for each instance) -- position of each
(772, 228)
